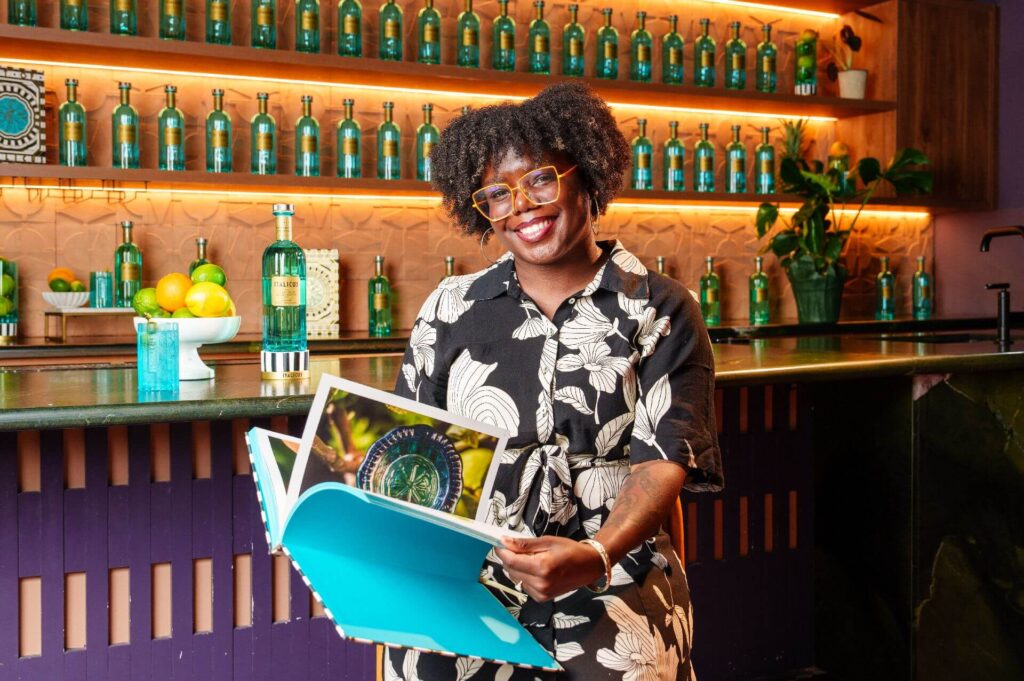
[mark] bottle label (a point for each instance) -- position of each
(350, 25)
(675, 162)
(926, 292)
(264, 15)
(739, 61)
(736, 165)
(310, 20)
(218, 11)
(707, 59)
(123, 5)
(219, 139)
(675, 56)
(172, 137)
(126, 134)
(430, 33)
(886, 292)
(611, 50)
(643, 53)
(308, 144)
(768, 63)
(540, 44)
(72, 131)
(349, 146)
(767, 165)
(705, 164)
(129, 271)
(264, 141)
(470, 37)
(643, 161)
(390, 149)
(74, 3)
(391, 29)
(575, 47)
(381, 302)
(711, 295)
(172, 8)
(507, 40)
(760, 295)
(285, 291)
(427, 146)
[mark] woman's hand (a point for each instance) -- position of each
(550, 566)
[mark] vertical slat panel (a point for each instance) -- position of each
(51, 476)
(140, 580)
(97, 558)
(263, 640)
(222, 549)
(9, 541)
(181, 549)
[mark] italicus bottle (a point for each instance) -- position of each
(124, 20)
(735, 60)
(350, 135)
(218, 22)
(468, 51)
(350, 28)
(674, 155)
(736, 155)
(389, 139)
(390, 31)
(503, 54)
(659, 263)
(307, 141)
(200, 255)
(642, 151)
(218, 136)
(428, 28)
(426, 137)
(760, 312)
(72, 128)
(764, 157)
(171, 134)
(607, 53)
(263, 139)
(573, 39)
(449, 267)
(704, 162)
(767, 53)
(307, 26)
(22, 12)
(127, 268)
(640, 44)
(710, 302)
(923, 300)
(125, 131)
(704, 57)
(540, 41)
(885, 292)
(264, 24)
(172, 19)
(672, 54)
(380, 300)
(284, 288)
(74, 15)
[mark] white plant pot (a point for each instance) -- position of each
(853, 83)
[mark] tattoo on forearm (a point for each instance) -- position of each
(641, 506)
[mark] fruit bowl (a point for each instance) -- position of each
(66, 301)
(192, 333)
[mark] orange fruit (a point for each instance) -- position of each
(61, 273)
(207, 299)
(171, 291)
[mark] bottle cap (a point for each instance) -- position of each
(734, 24)
(607, 11)
(201, 241)
(217, 92)
(705, 21)
(126, 224)
(735, 128)
(124, 86)
(428, 107)
(378, 259)
(641, 14)
(307, 98)
(71, 82)
(348, 101)
(262, 95)
(389, 105)
(284, 209)
(170, 89)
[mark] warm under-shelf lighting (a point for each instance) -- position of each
(776, 8)
(752, 208)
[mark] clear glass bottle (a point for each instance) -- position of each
(503, 52)
(74, 15)
(171, 134)
(218, 137)
(200, 255)
(427, 135)
(350, 164)
(710, 301)
(735, 60)
(607, 53)
(284, 288)
(704, 162)
(574, 37)
(659, 263)
(704, 57)
(389, 144)
(540, 41)
(767, 54)
(218, 22)
(736, 156)
(125, 131)
(22, 12)
(127, 268)
(760, 309)
(640, 45)
(428, 29)
(642, 151)
(72, 128)
(350, 28)
(672, 46)
(885, 292)
(379, 300)
(264, 24)
(390, 31)
(468, 52)
(172, 19)
(307, 141)
(805, 63)
(923, 292)
(307, 26)
(124, 17)
(764, 157)
(673, 178)
(263, 139)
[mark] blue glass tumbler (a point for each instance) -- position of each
(101, 289)
(158, 356)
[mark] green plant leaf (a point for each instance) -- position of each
(911, 182)
(767, 214)
(907, 156)
(806, 212)
(784, 243)
(834, 242)
(868, 170)
(789, 173)
(823, 182)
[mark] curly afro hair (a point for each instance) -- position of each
(566, 118)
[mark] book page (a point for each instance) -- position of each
(274, 457)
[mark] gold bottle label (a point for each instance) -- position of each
(705, 164)
(767, 166)
(427, 146)
(575, 47)
(470, 38)
(129, 271)
(126, 134)
(310, 20)
(264, 15)
(430, 33)
(218, 11)
(507, 41)
(391, 29)
(675, 162)
(350, 25)
(926, 292)
(643, 161)
(886, 292)
(123, 5)
(611, 50)
(643, 53)
(760, 295)
(219, 139)
(540, 44)
(739, 61)
(172, 137)
(768, 64)
(736, 165)
(73, 131)
(264, 141)
(285, 291)
(675, 56)
(308, 144)
(74, 3)
(707, 59)
(172, 8)
(390, 148)
(349, 146)
(380, 301)
(712, 295)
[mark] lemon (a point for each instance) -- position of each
(475, 463)
(209, 272)
(207, 299)
(6, 285)
(144, 302)
(77, 286)
(183, 313)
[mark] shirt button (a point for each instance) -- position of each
(572, 301)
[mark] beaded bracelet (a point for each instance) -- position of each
(607, 566)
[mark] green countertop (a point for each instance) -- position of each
(38, 397)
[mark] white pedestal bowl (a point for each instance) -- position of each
(193, 333)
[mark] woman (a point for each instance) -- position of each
(601, 370)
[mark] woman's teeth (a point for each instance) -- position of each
(536, 230)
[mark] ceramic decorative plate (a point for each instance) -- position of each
(414, 463)
(22, 134)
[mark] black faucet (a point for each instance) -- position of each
(986, 239)
(1003, 318)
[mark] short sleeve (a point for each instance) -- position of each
(675, 412)
(419, 377)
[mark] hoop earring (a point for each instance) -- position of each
(483, 237)
(595, 219)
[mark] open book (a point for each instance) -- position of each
(380, 507)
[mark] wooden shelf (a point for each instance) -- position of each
(49, 45)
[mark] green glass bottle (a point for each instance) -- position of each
(710, 301)
(642, 151)
(760, 308)
(704, 162)
(465, 109)
(218, 137)
(350, 28)
(125, 131)
(540, 41)
(607, 53)
(72, 128)
(22, 12)
(468, 52)
(428, 28)
(426, 137)
(673, 178)
(74, 15)
(736, 156)
(307, 26)
(284, 288)
(263, 139)
(449, 267)
(503, 52)
(307, 141)
(704, 57)
(218, 22)
(172, 19)
(124, 18)
(389, 142)
(640, 44)
(574, 37)
(767, 54)
(264, 24)
(390, 18)
(659, 263)
(672, 54)
(885, 292)
(380, 300)
(764, 157)
(805, 63)
(127, 268)
(350, 164)
(735, 60)
(171, 134)
(923, 292)
(200, 255)
(838, 164)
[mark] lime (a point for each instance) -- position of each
(144, 302)
(207, 299)
(6, 306)
(60, 285)
(807, 61)
(183, 313)
(161, 313)
(77, 286)
(475, 463)
(209, 272)
(6, 285)
(809, 34)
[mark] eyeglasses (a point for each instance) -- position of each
(540, 186)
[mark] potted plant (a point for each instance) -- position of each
(810, 243)
(852, 82)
